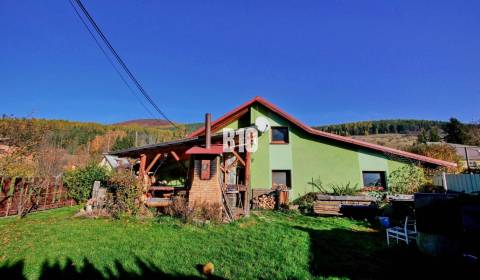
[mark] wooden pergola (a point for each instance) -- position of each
(191, 155)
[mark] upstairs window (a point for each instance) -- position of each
(374, 179)
(279, 135)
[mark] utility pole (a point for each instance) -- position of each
(467, 159)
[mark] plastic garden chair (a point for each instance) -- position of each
(404, 233)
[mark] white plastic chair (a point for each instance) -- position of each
(406, 233)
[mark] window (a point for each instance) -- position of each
(281, 178)
(279, 135)
(374, 179)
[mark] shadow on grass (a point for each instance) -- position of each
(364, 255)
(145, 270)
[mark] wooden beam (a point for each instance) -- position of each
(239, 157)
(177, 159)
(155, 159)
(175, 156)
(225, 172)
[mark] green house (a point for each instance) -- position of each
(293, 153)
(289, 154)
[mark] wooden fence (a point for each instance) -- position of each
(20, 195)
(468, 183)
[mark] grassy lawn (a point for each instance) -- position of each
(268, 245)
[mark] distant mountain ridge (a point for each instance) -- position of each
(400, 126)
(144, 123)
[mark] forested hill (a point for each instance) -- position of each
(77, 137)
(382, 127)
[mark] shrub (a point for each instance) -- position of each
(80, 181)
(344, 189)
(318, 185)
(210, 212)
(335, 189)
(124, 197)
(305, 202)
(406, 180)
(438, 151)
(179, 209)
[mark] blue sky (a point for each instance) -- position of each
(322, 61)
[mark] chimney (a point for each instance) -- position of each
(208, 130)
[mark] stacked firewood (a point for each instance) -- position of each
(266, 202)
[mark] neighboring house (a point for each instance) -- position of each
(290, 153)
(113, 162)
(465, 153)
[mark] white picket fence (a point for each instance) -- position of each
(467, 183)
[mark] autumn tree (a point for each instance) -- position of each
(438, 151)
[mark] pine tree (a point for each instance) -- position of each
(456, 132)
(122, 143)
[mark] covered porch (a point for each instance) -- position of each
(195, 168)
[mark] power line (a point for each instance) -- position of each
(121, 62)
(110, 60)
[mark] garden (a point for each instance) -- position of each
(121, 239)
(268, 245)
(368, 202)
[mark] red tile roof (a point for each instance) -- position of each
(239, 111)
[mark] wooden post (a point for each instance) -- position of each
(23, 191)
(55, 189)
(61, 198)
(143, 163)
(246, 202)
(225, 172)
(10, 193)
(46, 193)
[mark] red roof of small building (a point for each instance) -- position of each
(239, 111)
(214, 150)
